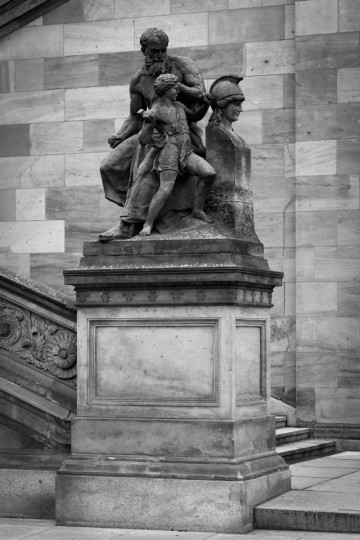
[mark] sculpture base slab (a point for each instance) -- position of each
(174, 428)
(93, 495)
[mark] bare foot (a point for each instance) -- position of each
(120, 230)
(200, 214)
(146, 230)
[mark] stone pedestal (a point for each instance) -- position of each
(173, 428)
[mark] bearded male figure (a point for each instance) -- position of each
(119, 167)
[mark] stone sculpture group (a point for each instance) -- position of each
(158, 168)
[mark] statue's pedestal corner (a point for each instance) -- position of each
(174, 429)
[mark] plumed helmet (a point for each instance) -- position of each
(226, 88)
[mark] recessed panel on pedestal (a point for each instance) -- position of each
(250, 361)
(153, 362)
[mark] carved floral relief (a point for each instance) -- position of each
(38, 340)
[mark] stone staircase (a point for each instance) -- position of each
(295, 444)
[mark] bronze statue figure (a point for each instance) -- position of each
(119, 168)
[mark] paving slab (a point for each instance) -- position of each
(345, 484)
(332, 461)
(303, 482)
(320, 472)
(307, 509)
(80, 533)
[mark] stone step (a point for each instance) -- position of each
(306, 449)
(304, 510)
(286, 435)
(27, 478)
(281, 420)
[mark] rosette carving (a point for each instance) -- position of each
(38, 340)
(10, 325)
(60, 355)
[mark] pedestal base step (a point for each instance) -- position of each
(310, 511)
(306, 449)
(28, 483)
(143, 502)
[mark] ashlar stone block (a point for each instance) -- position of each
(348, 85)
(349, 228)
(188, 6)
(271, 57)
(30, 204)
(316, 17)
(102, 37)
(316, 228)
(315, 157)
(266, 24)
(330, 192)
(340, 263)
(29, 75)
(33, 236)
(7, 205)
(32, 171)
(73, 203)
(71, 71)
(83, 169)
(316, 87)
(141, 8)
(349, 15)
(327, 51)
(29, 107)
(97, 103)
(56, 137)
(15, 140)
(196, 25)
(347, 156)
(7, 76)
(32, 41)
(100, 10)
(316, 297)
(263, 92)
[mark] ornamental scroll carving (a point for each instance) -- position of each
(38, 340)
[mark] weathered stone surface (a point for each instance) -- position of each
(316, 17)
(30, 42)
(8, 205)
(316, 87)
(266, 24)
(15, 140)
(335, 121)
(102, 37)
(31, 171)
(72, 203)
(349, 18)
(29, 75)
(32, 237)
(327, 51)
(56, 137)
(29, 107)
(271, 57)
(173, 25)
(72, 71)
(96, 103)
(315, 157)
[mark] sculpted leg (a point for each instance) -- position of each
(167, 181)
(198, 166)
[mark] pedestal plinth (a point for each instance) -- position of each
(173, 428)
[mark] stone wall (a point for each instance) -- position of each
(64, 83)
(327, 211)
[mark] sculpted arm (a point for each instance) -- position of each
(132, 124)
(193, 86)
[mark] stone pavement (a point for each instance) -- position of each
(325, 496)
(330, 484)
(34, 529)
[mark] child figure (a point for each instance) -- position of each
(172, 152)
